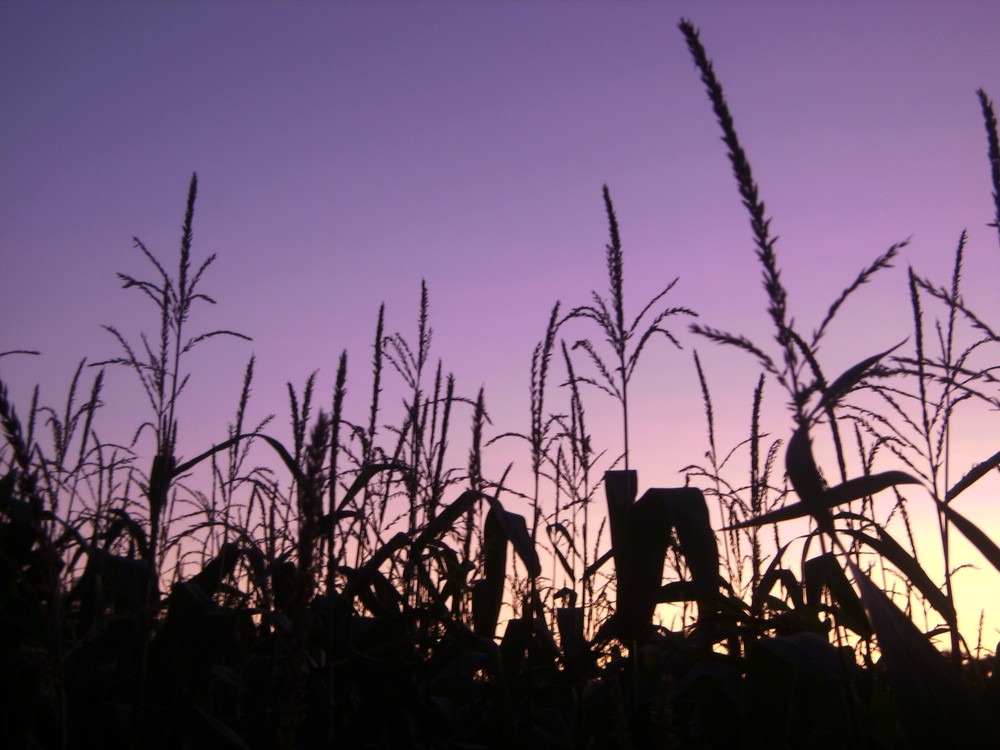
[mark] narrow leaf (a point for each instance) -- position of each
(361, 576)
(974, 534)
(825, 572)
(852, 489)
(487, 594)
(805, 478)
(975, 474)
(677, 591)
(598, 563)
(855, 489)
(938, 707)
(891, 550)
(850, 378)
(689, 514)
(364, 477)
(515, 528)
(565, 564)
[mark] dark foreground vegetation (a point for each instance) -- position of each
(354, 590)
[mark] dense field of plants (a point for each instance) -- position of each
(354, 589)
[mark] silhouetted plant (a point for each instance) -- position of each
(609, 314)
(935, 702)
(343, 595)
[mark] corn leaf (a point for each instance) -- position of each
(515, 528)
(825, 572)
(850, 378)
(598, 563)
(689, 514)
(975, 474)
(892, 551)
(938, 707)
(805, 477)
(974, 534)
(639, 557)
(852, 489)
(487, 593)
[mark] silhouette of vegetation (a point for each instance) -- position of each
(359, 590)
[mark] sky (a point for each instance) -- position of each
(347, 151)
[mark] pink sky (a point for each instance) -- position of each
(347, 150)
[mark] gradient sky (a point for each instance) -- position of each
(347, 150)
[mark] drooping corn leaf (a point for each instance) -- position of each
(570, 622)
(563, 531)
(689, 514)
(124, 522)
(891, 550)
(363, 574)
(938, 707)
(640, 537)
(446, 519)
(365, 475)
(487, 593)
(515, 528)
(787, 579)
(379, 596)
(567, 568)
(974, 534)
(552, 530)
(454, 574)
(771, 576)
(216, 570)
(805, 477)
(825, 572)
(620, 488)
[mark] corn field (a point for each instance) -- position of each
(354, 588)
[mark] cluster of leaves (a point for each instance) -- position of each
(363, 594)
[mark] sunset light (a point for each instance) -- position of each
(500, 374)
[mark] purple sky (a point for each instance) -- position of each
(347, 150)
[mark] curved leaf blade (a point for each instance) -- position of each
(892, 551)
(846, 492)
(974, 534)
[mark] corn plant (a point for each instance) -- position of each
(357, 588)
